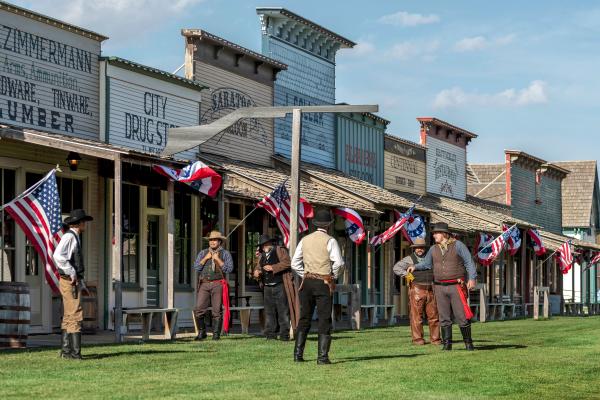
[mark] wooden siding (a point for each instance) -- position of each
(404, 174)
(248, 140)
(446, 169)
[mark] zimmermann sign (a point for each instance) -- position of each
(48, 78)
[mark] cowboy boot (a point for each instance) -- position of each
(299, 347)
(76, 346)
(324, 344)
(217, 323)
(201, 329)
(447, 337)
(65, 350)
(466, 334)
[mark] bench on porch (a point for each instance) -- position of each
(245, 313)
(371, 312)
(574, 309)
(169, 317)
(503, 309)
(593, 308)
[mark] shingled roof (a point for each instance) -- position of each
(578, 192)
(479, 178)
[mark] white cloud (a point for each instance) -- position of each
(535, 93)
(362, 48)
(481, 42)
(410, 50)
(120, 20)
(403, 18)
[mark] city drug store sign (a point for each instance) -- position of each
(142, 108)
(48, 78)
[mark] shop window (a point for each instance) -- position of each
(209, 215)
(130, 228)
(183, 238)
(235, 211)
(254, 229)
(154, 197)
(7, 226)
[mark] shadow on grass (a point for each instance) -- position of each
(370, 358)
(129, 353)
(499, 346)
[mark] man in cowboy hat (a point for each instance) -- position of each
(420, 294)
(273, 268)
(318, 261)
(451, 261)
(68, 257)
(212, 264)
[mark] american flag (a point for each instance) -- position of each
(392, 230)
(565, 258)
(37, 211)
(596, 258)
(498, 244)
(536, 240)
(277, 203)
(514, 241)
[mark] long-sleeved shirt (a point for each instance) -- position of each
(401, 266)
(461, 250)
(335, 255)
(226, 258)
(63, 253)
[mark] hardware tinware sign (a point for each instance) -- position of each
(49, 78)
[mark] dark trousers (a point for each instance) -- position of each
(276, 311)
(449, 304)
(315, 293)
(209, 293)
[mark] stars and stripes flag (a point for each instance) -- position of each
(354, 224)
(277, 203)
(595, 259)
(498, 244)
(536, 240)
(514, 240)
(565, 256)
(414, 228)
(483, 248)
(197, 175)
(392, 230)
(37, 212)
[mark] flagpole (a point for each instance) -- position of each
(241, 222)
(553, 253)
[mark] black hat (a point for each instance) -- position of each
(440, 227)
(322, 219)
(264, 239)
(77, 216)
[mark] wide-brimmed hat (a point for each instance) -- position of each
(322, 219)
(419, 242)
(215, 235)
(76, 216)
(440, 227)
(264, 239)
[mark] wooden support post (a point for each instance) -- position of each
(170, 244)
(536, 302)
(295, 178)
(117, 254)
(482, 301)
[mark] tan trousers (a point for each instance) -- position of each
(422, 299)
(72, 311)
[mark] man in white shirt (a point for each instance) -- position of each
(68, 257)
(318, 261)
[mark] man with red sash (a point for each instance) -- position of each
(451, 261)
(212, 264)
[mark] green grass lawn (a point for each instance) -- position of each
(524, 359)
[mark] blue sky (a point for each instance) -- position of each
(522, 75)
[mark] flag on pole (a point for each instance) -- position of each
(596, 258)
(37, 212)
(278, 204)
(414, 228)
(392, 230)
(498, 244)
(354, 224)
(536, 240)
(514, 240)
(197, 175)
(484, 250)
(565, 258)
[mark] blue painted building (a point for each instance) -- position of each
(309, 51)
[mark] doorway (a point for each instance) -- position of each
(153, 261)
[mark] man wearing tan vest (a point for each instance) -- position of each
(451, 261)
(318, 261)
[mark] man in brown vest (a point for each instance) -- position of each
(451, 261)
(318, 261)
(420, 295)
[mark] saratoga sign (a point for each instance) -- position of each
(48, 78)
